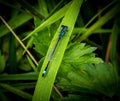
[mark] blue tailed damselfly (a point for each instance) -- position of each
(62, 32)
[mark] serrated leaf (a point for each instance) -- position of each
(105, 78)
(79, 53)
(102, 78)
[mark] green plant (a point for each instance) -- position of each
(76, 69)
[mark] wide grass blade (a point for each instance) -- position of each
(44, 85)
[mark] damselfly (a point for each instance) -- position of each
(62, 32)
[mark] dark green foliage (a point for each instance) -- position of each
(77, 68)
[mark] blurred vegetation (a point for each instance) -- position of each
(86, 63)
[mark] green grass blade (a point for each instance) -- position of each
(24, 76)
(108, 16)
(16, 91)
(55, 8)
(15, 22)
(115, 32)
(58, 15)
(83, 30)
(93, 18)
(44, 85)
(30, 8)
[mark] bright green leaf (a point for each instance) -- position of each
(79, 53)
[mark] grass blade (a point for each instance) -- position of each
(108, 16)
(44, 85)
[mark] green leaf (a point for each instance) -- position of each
(78, 53)
(42, 39)
(58, 15)
(2, 62)
(42, 42)
(64, 69)
(102, 78)
(44, 85)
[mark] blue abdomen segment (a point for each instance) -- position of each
(44, 72)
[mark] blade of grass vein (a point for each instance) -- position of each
(16, 91)
(58, 15)
(23, 46)
(44, 85)
(109, 15)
